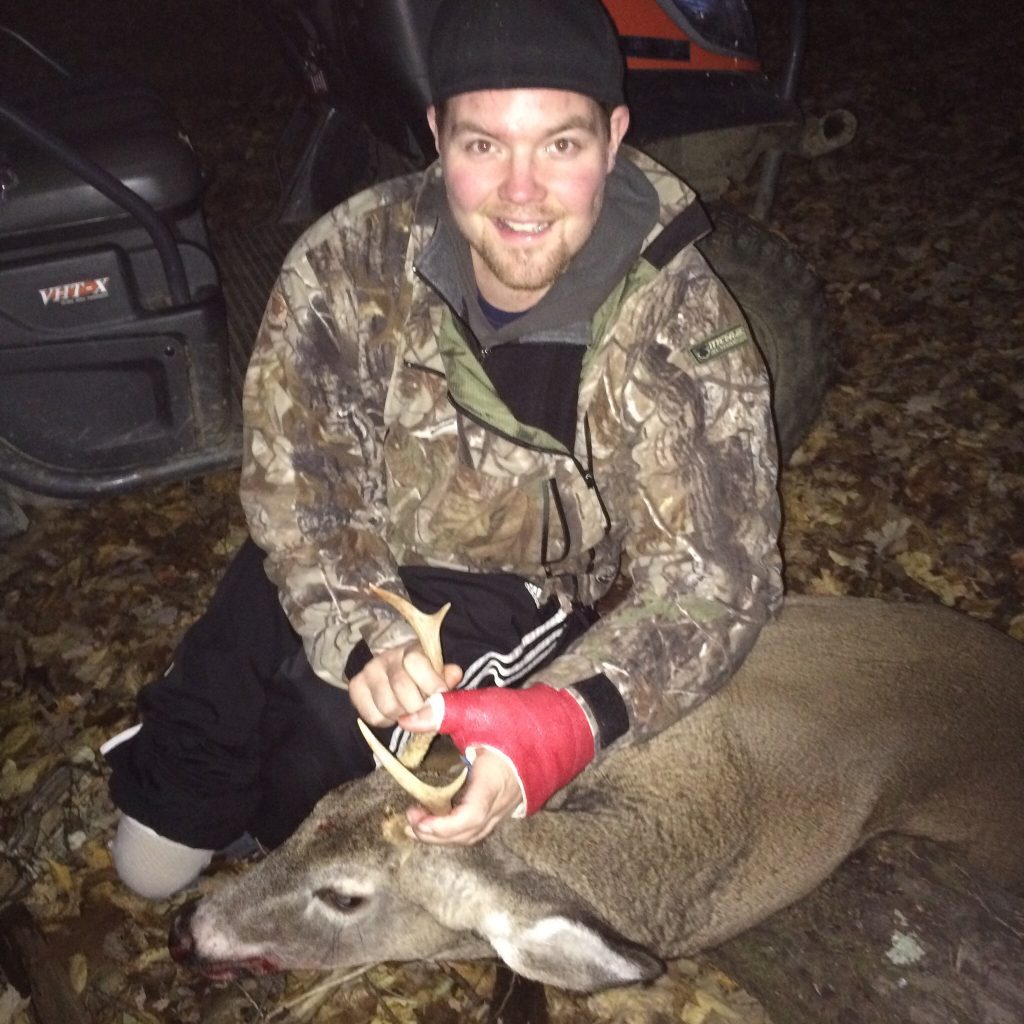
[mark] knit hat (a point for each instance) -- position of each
(525, 44)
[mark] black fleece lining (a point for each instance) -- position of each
(539, 382)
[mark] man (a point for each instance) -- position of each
(498, 383)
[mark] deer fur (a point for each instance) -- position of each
(851, 718)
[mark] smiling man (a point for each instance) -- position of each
(506, 383)
(524, 172)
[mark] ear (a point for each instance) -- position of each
(568, 951)
(618, 125)
(432, 123)
(535, 922)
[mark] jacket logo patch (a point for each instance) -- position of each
(717, 346)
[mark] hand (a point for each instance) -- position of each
(491, 795)
(397, 682)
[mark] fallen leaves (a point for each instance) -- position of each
(14, 1008)
(920, 567)
(911, 487)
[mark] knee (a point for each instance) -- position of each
(151, 865)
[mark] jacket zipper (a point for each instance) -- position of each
(410, 365)
(586, 473)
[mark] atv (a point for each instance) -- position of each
(125, 331)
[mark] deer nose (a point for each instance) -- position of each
(179, 940)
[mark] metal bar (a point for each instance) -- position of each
(772, 165)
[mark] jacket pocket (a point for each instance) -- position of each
(450, 505)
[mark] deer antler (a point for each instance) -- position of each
(437, 799)
(428, 631)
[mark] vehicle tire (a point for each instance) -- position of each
(784, 303)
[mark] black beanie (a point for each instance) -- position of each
(525, 44)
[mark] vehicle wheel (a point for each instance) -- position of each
(784, 303)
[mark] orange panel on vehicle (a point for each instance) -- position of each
(646, 20)
(642, 19)
(700, 60)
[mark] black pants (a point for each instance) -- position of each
(241, 736)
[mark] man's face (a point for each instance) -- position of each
(525, 171)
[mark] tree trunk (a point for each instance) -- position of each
(27, 963)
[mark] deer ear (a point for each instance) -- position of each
(568, 951)
(533, 921)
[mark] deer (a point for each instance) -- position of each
(850, 718)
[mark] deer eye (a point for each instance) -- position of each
(342, 902)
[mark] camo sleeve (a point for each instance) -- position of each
(697, 492)
(312, 483)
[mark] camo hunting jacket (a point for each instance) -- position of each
(374, 439)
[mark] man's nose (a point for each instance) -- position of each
(522, 183)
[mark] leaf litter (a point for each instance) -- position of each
(910, 487)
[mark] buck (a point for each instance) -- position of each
(851, 718)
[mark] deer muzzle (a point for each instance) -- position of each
(182, 945)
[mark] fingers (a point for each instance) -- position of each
(492, 794)
(428, 719)
(397, 682)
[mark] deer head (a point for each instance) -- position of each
(345, 892)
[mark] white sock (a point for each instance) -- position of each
(151, 864)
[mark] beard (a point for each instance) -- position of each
(524, 271)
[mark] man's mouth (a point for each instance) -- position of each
(523, 227)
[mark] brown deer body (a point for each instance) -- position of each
(852, 717)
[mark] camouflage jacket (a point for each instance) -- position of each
(374, 439)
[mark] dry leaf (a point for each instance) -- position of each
(78, 972)
(61, 876)
(14, 1008)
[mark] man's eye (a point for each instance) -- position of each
(564, 146)
(480, 146)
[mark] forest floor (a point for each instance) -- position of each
(910, 487)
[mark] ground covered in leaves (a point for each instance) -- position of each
(910, 487)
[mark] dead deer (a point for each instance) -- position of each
(851, 718)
